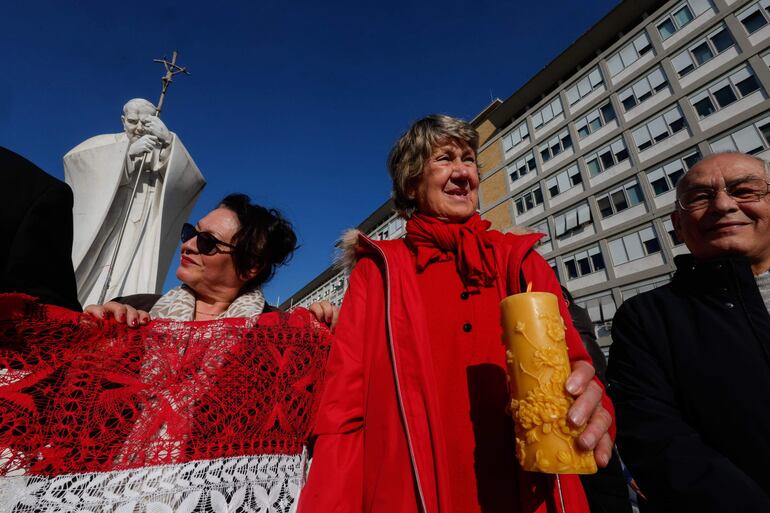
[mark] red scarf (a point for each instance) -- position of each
(471, 242)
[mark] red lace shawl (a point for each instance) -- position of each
(83, 395)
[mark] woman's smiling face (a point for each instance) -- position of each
(449, 183)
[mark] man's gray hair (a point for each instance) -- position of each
(407, 157)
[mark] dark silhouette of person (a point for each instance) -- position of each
(606, 490)
(36, 233)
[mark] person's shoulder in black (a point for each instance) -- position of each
(36, 227)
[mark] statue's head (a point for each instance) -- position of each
(134, 113)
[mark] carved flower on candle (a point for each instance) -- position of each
(554, 326)
(520, 327)
(540, 407)
(549, 357)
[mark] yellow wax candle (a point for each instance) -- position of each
(538, 367)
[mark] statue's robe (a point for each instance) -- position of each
(101, 176)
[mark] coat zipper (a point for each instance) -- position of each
(396, 377)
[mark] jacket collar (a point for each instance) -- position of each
(712, 274)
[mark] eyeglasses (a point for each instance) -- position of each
(207, 243)
(745, 191)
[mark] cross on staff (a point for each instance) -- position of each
(171, 69)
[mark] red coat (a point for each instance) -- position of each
(379, 446)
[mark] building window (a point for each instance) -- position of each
(607, 157)
(622, 198)
(572, 221)
(543, 228)
(702, 51)
(658, 129)
(680, 16)
(634, 246)
(724, 91)
(668, 225)
(584, 263)
(547, 113)
(629, 54)
(601, 308)
(643, 89)
(522, 166)
(755, 16)
(555, 145)
(751, 139)
(584, 86)
(529, 200)
(665, 178)
(594, 120)
(514, 137)
(563, 181)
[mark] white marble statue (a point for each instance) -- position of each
(100, 171)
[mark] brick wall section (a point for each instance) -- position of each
(490, 157)
(492, 189)
(500, 216)
(485, 130)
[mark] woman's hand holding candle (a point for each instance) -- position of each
(588, 408)
(555, 404)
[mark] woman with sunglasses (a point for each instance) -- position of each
(225, 260)
(180, 415)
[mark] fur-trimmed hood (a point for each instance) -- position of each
(347, 255)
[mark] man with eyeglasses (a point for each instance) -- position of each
(689, 366)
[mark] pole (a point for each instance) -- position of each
(171, 70)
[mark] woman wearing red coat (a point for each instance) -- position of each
(414, 411)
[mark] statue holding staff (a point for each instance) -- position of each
(132, 192)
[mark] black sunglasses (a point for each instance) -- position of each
(207, 243)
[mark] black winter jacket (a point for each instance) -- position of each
(689, 375)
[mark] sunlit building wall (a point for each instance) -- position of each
(589, 150)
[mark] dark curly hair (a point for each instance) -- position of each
(265, 239)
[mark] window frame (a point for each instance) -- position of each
(597, 113)
(624, 53)
(657, 137)
(688, 55)
(563, 177)
(596, 156)
(509, 137)
(762, 7)
(640, 241)
(526, 161)
(586, 255)
(534, 193)
(538, 118)
(622, 188)
(707, 92)
(558, 141)
(588, 78)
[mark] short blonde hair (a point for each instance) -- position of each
(407, 157)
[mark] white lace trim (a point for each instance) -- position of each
(255, 484)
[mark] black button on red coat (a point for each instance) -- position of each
(467, 327)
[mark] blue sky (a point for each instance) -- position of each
(294, 103)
